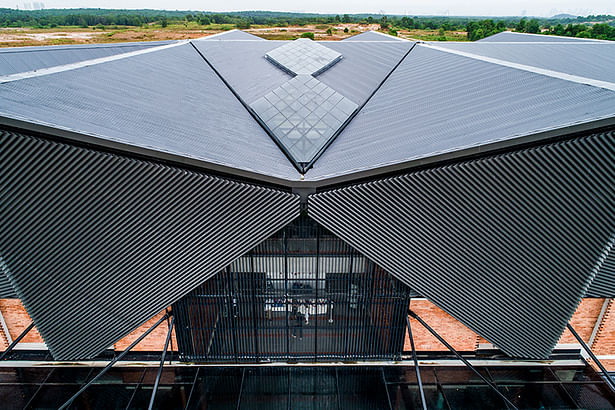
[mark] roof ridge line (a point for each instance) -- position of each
(588, 40)
(536, 70)
(80, 64)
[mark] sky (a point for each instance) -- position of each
(543, 8)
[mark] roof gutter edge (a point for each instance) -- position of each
(463, 154)
(146, 153)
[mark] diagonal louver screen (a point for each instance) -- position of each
(97, 243)
(508, 244)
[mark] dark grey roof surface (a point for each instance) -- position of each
(364, 66)
(20, 59)
(509, 36)
(436, 102)
(244, 66)
(594, 60)
(372, 36)
(233, 35)
(356, 76)
(506, 244)
(6, 289)
(603, 285)
(169, 101)
(97, 243)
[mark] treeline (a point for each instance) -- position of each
(600, 27)
(485, 28)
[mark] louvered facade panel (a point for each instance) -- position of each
(507, 244)
(97, 243)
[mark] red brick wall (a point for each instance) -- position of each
(459, 336)
(454, 332)
(17, 320)
(583, 320)
(152, 342)
(604, 344)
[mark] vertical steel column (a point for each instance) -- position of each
(347, 303)
(254, 313)
(591, 354)
(12, 345)
(416, 365)
(164, 353)
(317, 284)
(460, 357)
(112, 362)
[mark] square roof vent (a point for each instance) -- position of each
(303, 56)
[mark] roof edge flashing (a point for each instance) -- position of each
(82, 64)
(536, 70)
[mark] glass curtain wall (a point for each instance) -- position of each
(303, 294)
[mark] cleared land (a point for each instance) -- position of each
(18, 37)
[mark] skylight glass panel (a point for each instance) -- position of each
(303, 114)
(304, 56)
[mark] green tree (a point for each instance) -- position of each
(204, 20)
(521, 26)
(308, 35)
(532, 26)
(329, 31)
(345, 29)
(407, 22)
(346, 18)
(164, 22)
(384, 24)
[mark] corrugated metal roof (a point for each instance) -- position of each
(356, 76)
(436, 103)
(372, 36)
(233, 35)
(603, 285)
(363, 67)
(509, 36)
(168, 101)
(506, 244)
(244, 66)
(21, 59)
(98, 243)
(6, 289)
(592, 60)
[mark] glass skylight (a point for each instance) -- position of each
(303, 114)
(304, 56)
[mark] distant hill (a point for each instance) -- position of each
(564, 16)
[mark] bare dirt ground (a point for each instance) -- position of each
(15, 37)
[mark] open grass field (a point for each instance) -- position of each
(18, 37)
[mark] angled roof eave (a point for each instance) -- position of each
(457, 154)
(148, 153)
